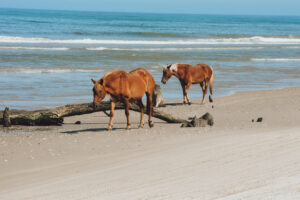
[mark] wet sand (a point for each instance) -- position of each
(234, 159)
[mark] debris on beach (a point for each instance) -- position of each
(206, 119)
(6, 119)
(259, 119)
(55, 116)
(78, 122)
(157, 97)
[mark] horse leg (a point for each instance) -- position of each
(205, 91)
(141, 105)
(183, 91)
(126, 102)
(112, 110)
(186, 91)
(149, 108)
(202, 86)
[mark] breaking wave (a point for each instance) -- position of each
(46, 71)
(37, 48)
(248, 40)
(275, 59)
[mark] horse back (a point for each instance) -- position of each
(146, 77)
(116, 84)
(119, 84)
(198, 73)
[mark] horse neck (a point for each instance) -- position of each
(179, 73)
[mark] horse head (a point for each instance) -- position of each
(168, 71)
(98, 91)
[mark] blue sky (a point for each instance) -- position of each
(261, 7)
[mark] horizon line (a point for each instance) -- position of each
(138, 12)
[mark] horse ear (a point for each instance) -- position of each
(101, 81)
(93, 81)
(169, 66)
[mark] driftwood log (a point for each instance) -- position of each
(206, 119)
(55, 116)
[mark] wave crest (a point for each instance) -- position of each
(248, 40)
(46, 71)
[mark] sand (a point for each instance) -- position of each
(234, 159)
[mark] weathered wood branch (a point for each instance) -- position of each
(6, 119)
(55, 116)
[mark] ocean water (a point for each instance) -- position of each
(47, 58)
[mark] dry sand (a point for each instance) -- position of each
(234, 159)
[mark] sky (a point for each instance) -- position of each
(252, 7)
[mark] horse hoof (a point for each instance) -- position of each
(109, 128)
(189, 103)
(210, 99)
(128, 127)
(141, 126)
(151, 124)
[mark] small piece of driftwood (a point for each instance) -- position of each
(206, 119)
(260, 119)
(55, 116)
(6, 118)
(157, 97)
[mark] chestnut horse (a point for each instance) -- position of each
(121, 86)
(188, 75)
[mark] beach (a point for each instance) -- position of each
(236, 158)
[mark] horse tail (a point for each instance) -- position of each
(150, 85)
(211, 80)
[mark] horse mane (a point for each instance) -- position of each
(172, 67)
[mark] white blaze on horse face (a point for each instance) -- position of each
(173, 68)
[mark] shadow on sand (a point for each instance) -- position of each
(179, 104)
(85, 130)
(93, 130)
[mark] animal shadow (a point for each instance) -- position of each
(85, 130)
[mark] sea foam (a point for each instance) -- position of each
(275, 59)
(46, 71)
(36, 48)
(249, 40)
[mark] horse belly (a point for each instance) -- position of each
(197, 78)
(137, 89)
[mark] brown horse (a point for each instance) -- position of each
(188, 75)
(124, 87)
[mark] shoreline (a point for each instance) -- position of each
(16, 129)
(231, 93)
(234, 159)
